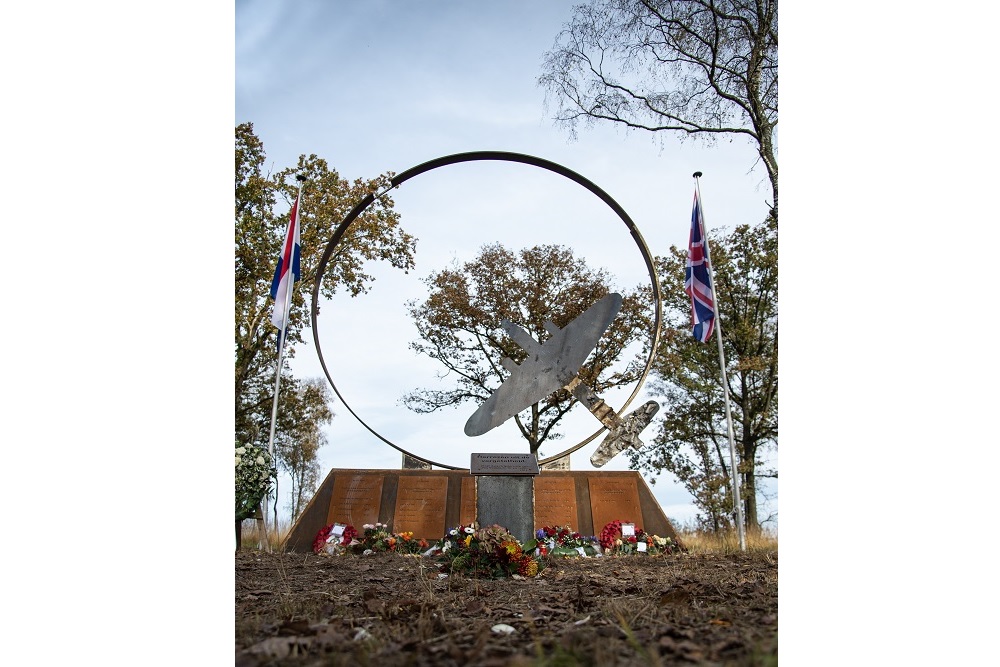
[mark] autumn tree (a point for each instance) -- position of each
(460, 326)
(692, 440)
(262, 205)
(304, 409)
(694, 68)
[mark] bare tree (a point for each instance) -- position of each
(696, 67)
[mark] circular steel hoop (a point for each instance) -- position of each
(495, 156)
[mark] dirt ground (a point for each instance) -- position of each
(393, 609)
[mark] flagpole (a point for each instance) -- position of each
(284, 329)
(725, 380)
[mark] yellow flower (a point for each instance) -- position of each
(467, 541)
(512, 548)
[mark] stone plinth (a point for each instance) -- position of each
(429, 502)
(508, 502)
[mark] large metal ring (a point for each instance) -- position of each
(476, 156)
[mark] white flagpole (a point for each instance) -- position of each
(725, 381)
(284, 329)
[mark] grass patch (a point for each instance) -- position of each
(728, 542)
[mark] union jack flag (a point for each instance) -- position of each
(697, 280)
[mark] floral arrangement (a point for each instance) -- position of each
(614, 543)
(325, 541)
(490, 552)
(563, 541)
(255, 473)
(374, 538)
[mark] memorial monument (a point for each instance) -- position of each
(506, 489)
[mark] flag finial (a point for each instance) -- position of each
(697, 174)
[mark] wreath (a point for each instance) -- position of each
(609, 534)
(319, 543)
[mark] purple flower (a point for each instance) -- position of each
(540, 533)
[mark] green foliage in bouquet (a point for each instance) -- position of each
(616, 544)
(376, 538)
(562, 541)
(490, 552)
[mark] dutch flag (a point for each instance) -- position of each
(287, 273)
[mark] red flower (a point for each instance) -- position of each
(350, 532)
(320, 542)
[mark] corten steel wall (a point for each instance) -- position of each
(315, 516)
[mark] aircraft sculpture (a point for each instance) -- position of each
(555, 364)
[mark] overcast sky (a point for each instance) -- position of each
(384, 86)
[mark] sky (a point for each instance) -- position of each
(384, 86)
(117, 138)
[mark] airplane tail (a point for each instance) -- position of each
(625, 434)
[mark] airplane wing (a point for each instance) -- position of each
(548, 367)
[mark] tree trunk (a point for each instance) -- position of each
(750, 495)
(275, 522)
(239, 535)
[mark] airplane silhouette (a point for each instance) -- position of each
(555, 364)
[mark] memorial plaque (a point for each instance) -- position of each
(356, 500)
(555, 502)
(614, 499)
(420, 506)
(504, 464)
(467, 507)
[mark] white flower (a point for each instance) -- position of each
(453, 532)
(238, 461)
(260, 460)
(241, 450)
(469, 530)
(367, 526)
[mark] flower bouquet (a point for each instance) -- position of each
(376, 538)
(255, 473)
(639, 541)
(562, 541)
(335, 538)
(490, 552)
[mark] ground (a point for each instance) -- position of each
(393, 609)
